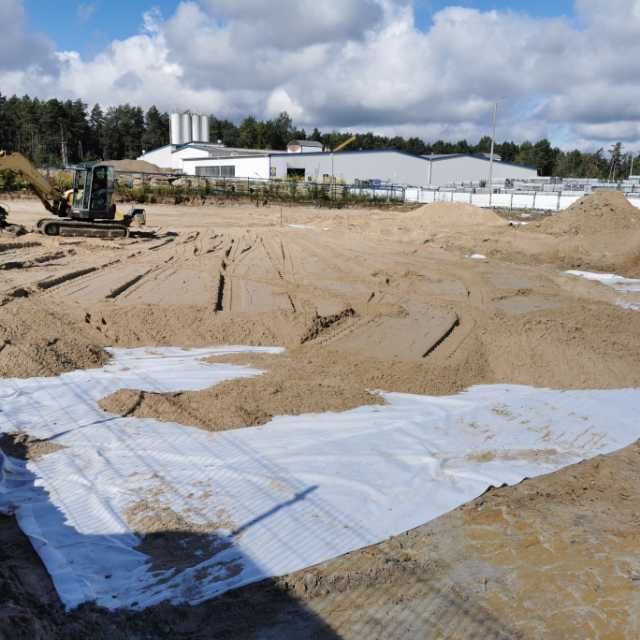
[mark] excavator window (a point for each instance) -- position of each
(81, 189)
(99, 192)
(102, 189)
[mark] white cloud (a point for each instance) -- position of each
(290, 24)
(279, 100)
(364, 64)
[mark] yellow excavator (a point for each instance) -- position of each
(85, 210)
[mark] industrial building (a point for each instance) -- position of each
(191, 152)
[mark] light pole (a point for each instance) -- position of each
(332, 177)
(493, 140)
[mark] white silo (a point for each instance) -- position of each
(204, 128)
(186, 128)
(195, 128)
(175, 130)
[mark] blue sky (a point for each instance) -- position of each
(91, 25)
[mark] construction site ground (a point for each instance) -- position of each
(428, 300)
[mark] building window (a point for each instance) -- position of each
(224, 171)
(209, 172)
(293, 173)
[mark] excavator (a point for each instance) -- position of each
(84, 210)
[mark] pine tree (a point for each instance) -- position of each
(615, 160)
(248, 133)
(543, 157)
(156, 129)
(96, 134)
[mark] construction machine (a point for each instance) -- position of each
(85, 210)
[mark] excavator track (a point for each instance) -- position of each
(77, 228)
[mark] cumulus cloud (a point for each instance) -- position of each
(289, 24)
(365, 64)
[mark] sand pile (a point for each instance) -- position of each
(38, 340)
(135, 166)
(288, 388)
(601, 212)
(439, 218)
(454, 214)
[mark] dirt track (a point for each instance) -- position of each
(362, 300)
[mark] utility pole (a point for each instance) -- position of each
(631, 164)
(332, 178)
(493, 140)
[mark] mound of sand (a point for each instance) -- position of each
(456, 214)
(136, 166)
(287, 388)
(38, 340)
(601, 212)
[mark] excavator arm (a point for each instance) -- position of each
(346, 143)
(52, 200)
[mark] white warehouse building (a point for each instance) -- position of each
(306, 160)
(384, 165)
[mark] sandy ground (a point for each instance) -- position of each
(363, 300)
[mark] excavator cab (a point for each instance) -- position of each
(92, 192)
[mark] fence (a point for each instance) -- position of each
(541, 201)
(148, 186)
(145, 187)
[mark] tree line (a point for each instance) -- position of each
(55, 132)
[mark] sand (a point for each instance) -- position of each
(362, 300)
(287, 389)
(449, 215)
(40, 339)
(136, 166)
(602, 212)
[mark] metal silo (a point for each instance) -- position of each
(195, 128)
(175, 132)
(204, 128)
(186, 128)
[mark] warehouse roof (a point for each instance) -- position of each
(446, 156)
(261, 153)
(307, 143)
(476, 156)
(220, 150)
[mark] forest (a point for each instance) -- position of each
(54, 133)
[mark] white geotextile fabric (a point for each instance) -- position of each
(286, 495)
(628, 287)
